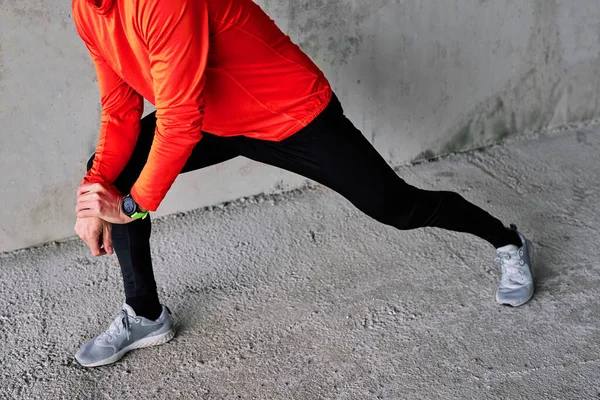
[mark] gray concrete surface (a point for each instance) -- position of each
(299, 296)
(418, 77)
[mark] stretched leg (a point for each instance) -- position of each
(132, 241)
(333, 152)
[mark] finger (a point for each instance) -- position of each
(107, 239)
(88, 196)
(90, 187)
(93, 205)
(94, 246)
(86, 213)
(84, 189)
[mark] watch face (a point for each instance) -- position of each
(128, 206)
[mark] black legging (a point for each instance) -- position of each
(331, 151)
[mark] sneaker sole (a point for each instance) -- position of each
(517, 304)
(531, 258)
(140, 344)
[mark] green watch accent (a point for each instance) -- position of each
(140, 215)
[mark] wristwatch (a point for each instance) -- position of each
(132, 209)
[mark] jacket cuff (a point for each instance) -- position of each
(141, 201)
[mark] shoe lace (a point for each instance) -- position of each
(512, 266)
(121, 322)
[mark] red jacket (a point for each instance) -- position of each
(221, 66)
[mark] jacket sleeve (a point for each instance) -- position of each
(122, 108)
(176, 35)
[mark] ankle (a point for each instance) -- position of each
(514, 238)
(506, 237)
(146, 306)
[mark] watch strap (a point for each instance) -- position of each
(139, 215)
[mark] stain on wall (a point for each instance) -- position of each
(531, 101)
(1, 58)
(307, 21)
(426, 155)
(31, 13)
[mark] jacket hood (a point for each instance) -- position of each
(102, 7)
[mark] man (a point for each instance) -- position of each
(226, 82)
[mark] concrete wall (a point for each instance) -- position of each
(419, 77)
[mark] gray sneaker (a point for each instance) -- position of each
(127, 332)
(516, 284)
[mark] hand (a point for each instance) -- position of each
(96, 234)
(102, 201)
